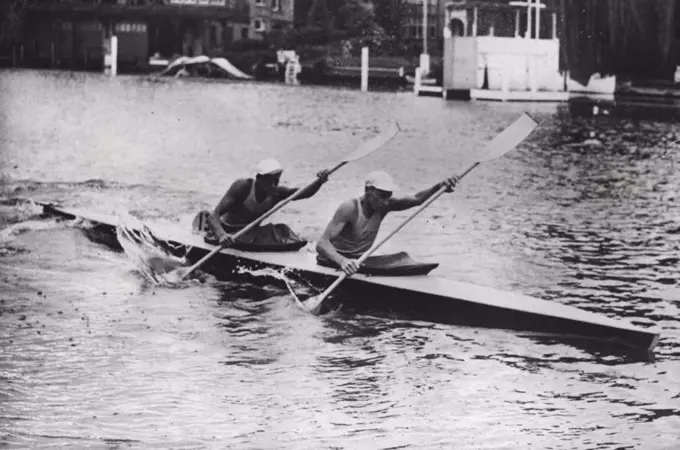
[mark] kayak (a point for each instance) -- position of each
(391, 283)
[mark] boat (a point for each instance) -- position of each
(204, 66)
(414, 292)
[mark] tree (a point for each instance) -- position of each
(391, 16)
(320, 22)
(14, 12)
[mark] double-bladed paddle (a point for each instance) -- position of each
(499, 146)
(363, 150)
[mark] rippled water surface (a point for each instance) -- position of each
(93, 355)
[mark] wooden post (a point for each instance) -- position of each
(114, 55)
(424, 57)
(425, 26)
(517, 23)
(364, 69)
(538, 19)
(416, 84)
(424, 64)
(554, 27)
(529, 20)
(14, 56)
(474, 21)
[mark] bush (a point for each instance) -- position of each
(248, 45)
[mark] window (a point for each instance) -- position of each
(276, 5)
(258, 25)
(259, 2)
(457, 27)
(244, 33)
(130, 28)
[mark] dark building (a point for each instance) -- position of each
(632, 39)
(75, 33)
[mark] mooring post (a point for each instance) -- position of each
(416, 84)
(364, 69)
(114, 55)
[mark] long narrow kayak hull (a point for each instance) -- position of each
(419, 297)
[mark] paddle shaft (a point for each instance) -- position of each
(376, 246)
(259, 220)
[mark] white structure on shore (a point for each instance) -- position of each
(520, 67)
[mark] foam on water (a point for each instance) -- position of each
(141, 248)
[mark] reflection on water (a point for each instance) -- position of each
(93, 354)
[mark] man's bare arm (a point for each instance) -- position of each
(403, 203)
(236, 193)
(338, 222)
(284, 192)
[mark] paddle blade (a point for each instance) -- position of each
(175, 276)
(374, 143)
(509, 138)
(313, 304)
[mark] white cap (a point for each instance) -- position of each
(380, 180)
(268, 166)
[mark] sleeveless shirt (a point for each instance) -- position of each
(241, 215)
(357, 237)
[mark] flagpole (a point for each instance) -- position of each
(425, 26)
(424, 57)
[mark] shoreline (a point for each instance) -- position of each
(648, 95)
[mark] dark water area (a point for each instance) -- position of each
(93, 355)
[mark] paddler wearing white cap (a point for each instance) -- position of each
(249, 198)
(356, 222)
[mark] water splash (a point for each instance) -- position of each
(19, 220)
(145, 250)
(277, 274)
(291, 285)
(8, 234)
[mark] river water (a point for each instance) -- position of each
(92, 355)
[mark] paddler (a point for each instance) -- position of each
(356, 222)
(249, 198)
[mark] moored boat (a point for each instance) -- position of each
(409, 290)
